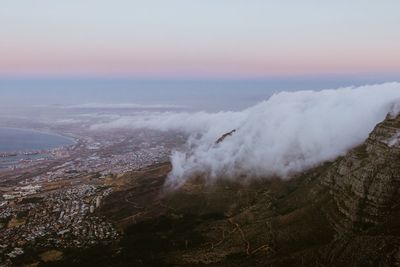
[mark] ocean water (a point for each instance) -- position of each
(207, 95)
(24, 140)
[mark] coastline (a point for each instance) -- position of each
(18, 157)
(71, 139)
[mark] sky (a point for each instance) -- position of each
(223, 39)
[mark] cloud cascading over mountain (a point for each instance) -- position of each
(285, 134)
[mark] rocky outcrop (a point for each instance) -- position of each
(225, 135)
(365, 183)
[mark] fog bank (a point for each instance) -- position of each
(288, 133)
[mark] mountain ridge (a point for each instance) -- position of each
(341, 213)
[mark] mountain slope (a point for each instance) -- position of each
(342, 213)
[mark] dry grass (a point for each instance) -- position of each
(14, 222)
(51, 255)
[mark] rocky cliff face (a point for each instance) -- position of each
(365, 183)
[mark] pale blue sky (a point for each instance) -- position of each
(208, 38)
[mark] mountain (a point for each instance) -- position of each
(341, 213)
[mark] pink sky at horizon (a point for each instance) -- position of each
(179, 39)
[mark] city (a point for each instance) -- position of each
(50, 204)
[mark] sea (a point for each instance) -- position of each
(194, 95)
(15, 145)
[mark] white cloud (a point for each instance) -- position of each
(67, 121)
(124, 106)
(285, 134)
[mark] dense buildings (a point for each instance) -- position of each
(52, 202)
